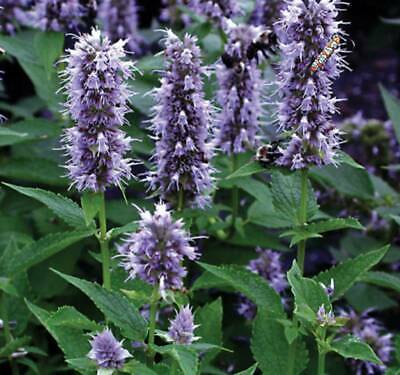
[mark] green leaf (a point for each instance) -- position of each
(286, 195)
(251, 285)
(134, 367)
(382, 279)
(13, 346)
(209, 318)
(392, 105)
(344, 158)
(66, 209)
(83, 365)
(351, 347)
(14, 262)
(7, 287)
(315, 229)
(128, 228)
(272, 351)
(68, 316)
(350, 181)
(248, 169)
(114, 306)
(70, 340)
(308, 294)
(250, 371)
(349, 272)
(91, 205)
(49, 47)
(186, 357)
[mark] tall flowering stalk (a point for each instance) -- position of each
(12, 14)
(181, 329)
(182, 116)
(119, 20)
(307, 104)
(59, 15)
(95, 82)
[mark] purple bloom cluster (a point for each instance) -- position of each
(217, 10)
(372, 332)
(156, 251)
(181, 329)
(106, 351)
(119, 20)
(307, 104)
(13, 13)
(181, 121)
(239, 92)
(267, 12)
(268, 265)
(59, 15)
(97, 102)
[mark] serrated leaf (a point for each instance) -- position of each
(186, 357)
(392, 105)
(128, 228)
(382, 279)
(272, 351)
(250, 371)
(251, 285)
(114, 306)
(286, 194)
(48, 47)
(134, 367)
(315, 229)
(91, 204)
(352, 347)
(345, 158)
(12, 263)
(66, 209)
(68, 316)
(83, 364)
(71, 341)
(248, 169)
(349, 272)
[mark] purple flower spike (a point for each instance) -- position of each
(239, 92)
(119, 20)
(95, 81)
(181, 121)
(217, 10)
(106, 351)
(181, 329)
(59, 15)
(13, 13)
(156, 251)
(371, 331)
(268, 265)
(307, 104)
(267, 12)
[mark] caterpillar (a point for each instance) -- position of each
(327, 52)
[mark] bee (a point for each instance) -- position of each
(264, 43)
(269, 153)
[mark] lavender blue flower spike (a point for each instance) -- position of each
(180, 123)
(13, 13)
(239, 93)
(59, 15)
(119, 20)
(106, 351)
(268, 265)
(95, 81)
(181, 329)
(217, 10)
(307, 104)
(156, 251)
(371, 331)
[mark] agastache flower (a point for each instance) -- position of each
(181, 121)
(12, 14)
(216, 10)
(106, 351)
(239, 92)
(95, 81)
(307, 104)
(181, 329)
(371, 331)
(268, 265)
(59, 15)
(267, 12)
(156, 251)
(325, 318)
(119, 20)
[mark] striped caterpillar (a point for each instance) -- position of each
(327, 52)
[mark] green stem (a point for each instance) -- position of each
(321, 355)
(174, 369)
(105, 252)
(152, 323)
(181, 200)
(301, 250)
(235, 196)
